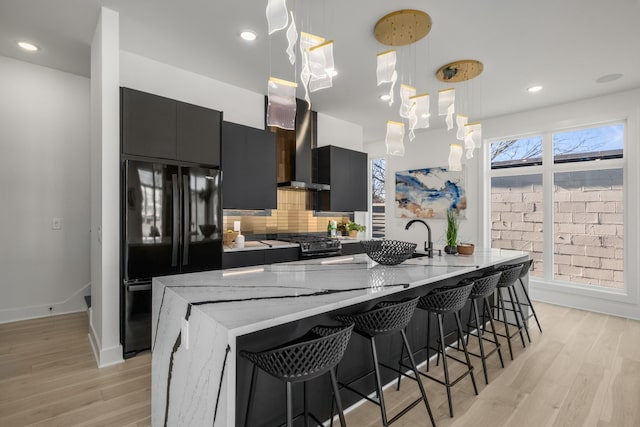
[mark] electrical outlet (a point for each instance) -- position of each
(56, 223)
(236, 225)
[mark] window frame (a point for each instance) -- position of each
(629, 292)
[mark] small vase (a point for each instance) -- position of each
(451, 250)
(353, 233)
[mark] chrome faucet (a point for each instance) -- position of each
(428, 245)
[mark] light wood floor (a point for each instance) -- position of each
(584, 370)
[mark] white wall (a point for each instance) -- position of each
(44, 169)
(104, 323)
(333, 131)
(238, 105)
(428, 149)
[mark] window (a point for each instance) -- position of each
(378, 169)
(577, 237)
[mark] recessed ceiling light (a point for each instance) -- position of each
(385, 97)
(333, 72)
(534, 89)
(28, 46)
(426, 115)
(248, 35)
(609, 78)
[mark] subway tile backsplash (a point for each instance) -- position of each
(294, 215)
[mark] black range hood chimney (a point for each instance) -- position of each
(295, 152)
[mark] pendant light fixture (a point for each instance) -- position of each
(455, 154)
(394, 138)
(281, 106)
(386, 71)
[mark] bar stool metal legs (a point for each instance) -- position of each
(526, 267)
(448, 300)
(386, 318)
(507, 279)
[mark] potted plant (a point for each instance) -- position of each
(342, 229)
(452, 232)
(354, 228)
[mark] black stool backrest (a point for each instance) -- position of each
(485, 285)
(385, 317)
(447, 300)
(510, 273)
(306, 359)
(525, 268)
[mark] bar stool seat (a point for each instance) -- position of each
(301, 360)
(387, 317)
(483, 287)
(440, 302)
(511, 273)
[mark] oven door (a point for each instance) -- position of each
(137, 317)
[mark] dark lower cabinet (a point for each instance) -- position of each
(352, 248)
(346, 172)
(249, 167)
(259, 257)
(162, 128)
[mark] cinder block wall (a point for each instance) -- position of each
(588, 230)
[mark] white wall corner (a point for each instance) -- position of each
(104, 356)
(75, 303)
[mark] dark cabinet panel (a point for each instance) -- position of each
(352, 248)
(148, 124)
(272, 256)
(163, 128)
(242, 259)
(198, 134)
(259, 257)
(346, 172)
(249, 166)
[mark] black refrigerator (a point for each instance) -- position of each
(171, 224)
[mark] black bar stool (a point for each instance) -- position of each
(440, 302)
(386, 318)
(482, 288)
(301, 360)
(526, 266)
(510, 273)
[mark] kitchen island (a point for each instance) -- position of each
(202, 320)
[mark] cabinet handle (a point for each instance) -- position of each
(185, 220)
(176, 221)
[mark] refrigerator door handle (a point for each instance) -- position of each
(175, 241)
(185, 220)
(137, 288)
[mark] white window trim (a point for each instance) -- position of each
(619, 302)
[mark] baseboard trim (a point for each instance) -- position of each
(104, 357)
(74, 304)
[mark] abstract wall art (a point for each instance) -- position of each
(429, 193)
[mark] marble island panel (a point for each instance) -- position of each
(197, 318)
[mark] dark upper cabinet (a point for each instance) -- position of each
(148, 124)
(158, 127)
(198, 134)
(249, 168)
(346, 172)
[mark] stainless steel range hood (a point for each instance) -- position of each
(295, 152)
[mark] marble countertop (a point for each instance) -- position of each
(249, 299)
(255, 245)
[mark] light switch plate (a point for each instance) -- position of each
(236, 225)
(56, 224)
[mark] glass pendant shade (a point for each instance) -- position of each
(393, 140)
(422, 112)
(406, 92)
(292, 38)
(307, 41)
(461, 121)
(281, 106)
(446, 105)
(472, 138)
(277, 15)
(386, 71)
(321, 66)
(455, 154)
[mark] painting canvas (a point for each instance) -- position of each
(429, 193)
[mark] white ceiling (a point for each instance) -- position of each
(564, 45)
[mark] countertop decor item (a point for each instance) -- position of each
(354, 228)
(388, 252)
(452, 232)
(207, 230)
(465, 248)
(229, 237)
